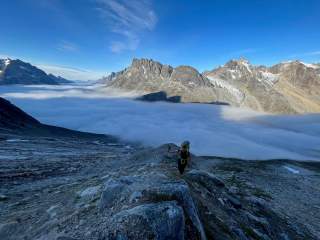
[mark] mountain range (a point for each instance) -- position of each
(19, 72)
(288, 87)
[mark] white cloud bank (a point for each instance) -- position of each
(212, 130)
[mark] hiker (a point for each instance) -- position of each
(184, 156)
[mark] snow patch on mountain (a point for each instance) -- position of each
(234, 73)
(246, 64)
(314, 66)
(269, 77)
(224, 84)
(7, 61)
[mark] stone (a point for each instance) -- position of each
(110, 194)
(150, 221)
(66, 238)
(180, 193)
(234, 202)
(3, 197)
(205, 178)
(89, 192)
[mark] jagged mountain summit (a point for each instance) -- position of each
(291, 87)
(148, 76)
(19, 72)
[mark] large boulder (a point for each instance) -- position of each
(162, 221)
(150, 206)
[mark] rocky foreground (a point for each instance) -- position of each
(66, 188)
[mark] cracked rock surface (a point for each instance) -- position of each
(84, 188)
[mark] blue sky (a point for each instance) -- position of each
(89, 38)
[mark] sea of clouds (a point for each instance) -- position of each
(211, 129)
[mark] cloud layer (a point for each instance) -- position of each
(212, 130)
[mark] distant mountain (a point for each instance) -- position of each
(11, 117)
(148, 76)
(14, 121)
(19, 72)
(291, 87)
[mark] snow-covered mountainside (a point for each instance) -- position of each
(19, 72)
(291, 87)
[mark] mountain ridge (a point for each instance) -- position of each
(19, 72)
(290, 87)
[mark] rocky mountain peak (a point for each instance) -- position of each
(240, 61)
(136, 62)
(188, 75)
(4, 63)
(148, 76)
(149, 66)
(295, 66)
(7, 61)
(19, 72)
(241, 65)
(238, 83)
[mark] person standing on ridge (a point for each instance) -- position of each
(184, 156)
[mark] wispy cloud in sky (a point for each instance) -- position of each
(127, 19)
(72, 73)
(67, 46)
(306, 54)
(315, 53)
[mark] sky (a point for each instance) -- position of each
(86, 39)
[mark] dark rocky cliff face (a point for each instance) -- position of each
(15, 121)
(12, 117)
(19, 72)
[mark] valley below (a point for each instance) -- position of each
(213, 130)
(252, 175)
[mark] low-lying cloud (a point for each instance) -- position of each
(212, 130)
